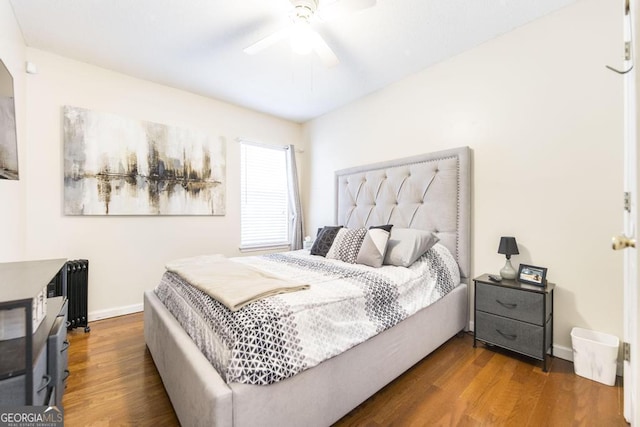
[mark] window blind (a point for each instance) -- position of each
(264, 206)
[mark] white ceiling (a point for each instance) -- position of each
(197, 45)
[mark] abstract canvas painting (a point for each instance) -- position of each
(8, 136)
(115, 165)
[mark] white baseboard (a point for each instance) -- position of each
(115, 312)
(563, 352)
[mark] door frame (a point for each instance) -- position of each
(631, 219)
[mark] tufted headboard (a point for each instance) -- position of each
(430, 192)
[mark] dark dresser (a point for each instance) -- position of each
(33, 335)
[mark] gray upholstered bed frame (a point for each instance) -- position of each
(432, 192)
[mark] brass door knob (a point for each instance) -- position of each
(622, 242)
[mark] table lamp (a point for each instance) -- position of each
(508, 247)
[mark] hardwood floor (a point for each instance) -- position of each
(114, 382)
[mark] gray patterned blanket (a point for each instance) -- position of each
(277, 337)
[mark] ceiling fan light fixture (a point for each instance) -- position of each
(303, 10)
(302, 38)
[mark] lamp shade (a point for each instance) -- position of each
(508, 246)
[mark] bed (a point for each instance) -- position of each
(430, 192)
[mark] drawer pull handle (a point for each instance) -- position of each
(507, 336)
(65, 346)
(506, 304)
(66, 375)
(46, 379)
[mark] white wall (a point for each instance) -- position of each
(537, 106)
(544, 119)
(12, 193)
(127, 254)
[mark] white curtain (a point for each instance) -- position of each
(296, 226)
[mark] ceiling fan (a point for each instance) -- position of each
(302, 36)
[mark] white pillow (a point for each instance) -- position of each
(373, 247)
(406, 245)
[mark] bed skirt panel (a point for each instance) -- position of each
(316, 397)
(322, 395)
(198, 395)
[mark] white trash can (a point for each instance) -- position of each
(595, 355)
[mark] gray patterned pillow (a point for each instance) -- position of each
(347, 244)
(324, 240)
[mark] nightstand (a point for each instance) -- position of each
(515, 316)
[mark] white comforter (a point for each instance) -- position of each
(277, 337)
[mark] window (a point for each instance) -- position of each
(264, 196)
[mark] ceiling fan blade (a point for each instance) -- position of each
(285, 5)
(327, 57)
(260, 45)
(341, 8)
(356, 5)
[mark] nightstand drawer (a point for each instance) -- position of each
(512, 303)
(510, 334)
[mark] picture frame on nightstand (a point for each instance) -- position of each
(532, 275)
